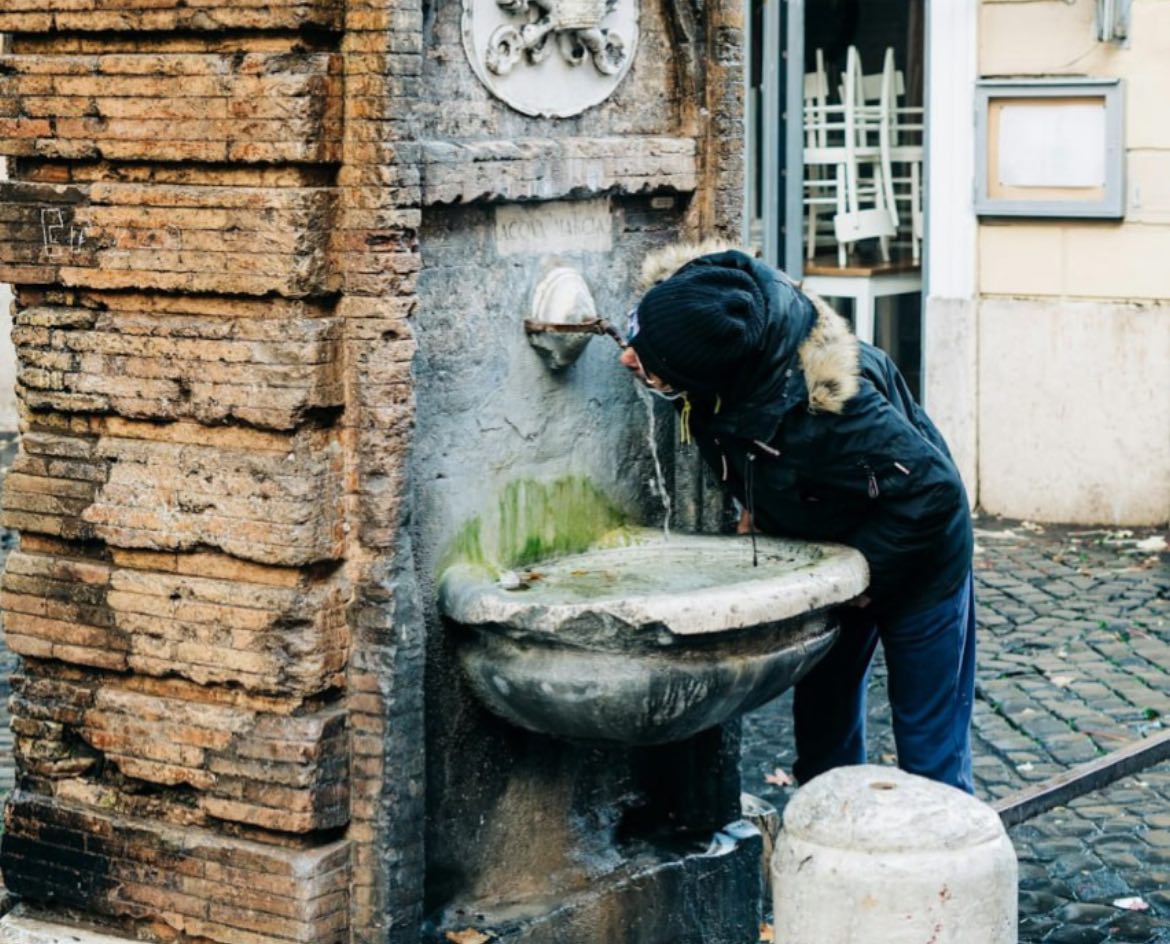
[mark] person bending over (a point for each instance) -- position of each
(818, 437)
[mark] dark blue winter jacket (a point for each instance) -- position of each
(822, 440)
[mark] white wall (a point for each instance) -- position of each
(950, 341)
(1074, 418)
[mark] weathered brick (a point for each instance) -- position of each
(174, 733)
(270, 498)
(269, 363)
(119, 866)
(200, 233)
(267, 106)
(22, 16)
(207, 619)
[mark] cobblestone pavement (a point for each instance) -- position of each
(1074, 662)
(1074, 636)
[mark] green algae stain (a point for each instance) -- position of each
(466, 547)
(540, 520)
(536, 521)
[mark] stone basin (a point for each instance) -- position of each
(651, 641)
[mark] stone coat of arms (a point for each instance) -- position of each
(551, 58)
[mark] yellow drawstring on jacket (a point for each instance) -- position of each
(684, 422)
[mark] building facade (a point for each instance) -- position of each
(1047, 356)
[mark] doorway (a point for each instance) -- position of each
(802, 55)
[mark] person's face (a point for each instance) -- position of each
(629, 359)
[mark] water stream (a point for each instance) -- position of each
(659, 482)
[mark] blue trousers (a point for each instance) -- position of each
(930, 657)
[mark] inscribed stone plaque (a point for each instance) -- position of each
(563, 226)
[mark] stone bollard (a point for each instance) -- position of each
(873, 855)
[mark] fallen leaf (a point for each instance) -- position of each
(1061, 681)
(1131, 904)
(779, 778)
(889, 758)
(766, 933)
(469, 936)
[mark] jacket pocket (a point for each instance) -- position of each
(886, 477)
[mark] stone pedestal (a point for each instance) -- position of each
(701, 894)
(553, 842)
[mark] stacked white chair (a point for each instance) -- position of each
(824, 158)
(901, 149)
(863, 158)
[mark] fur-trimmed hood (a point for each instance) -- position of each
(829, 355)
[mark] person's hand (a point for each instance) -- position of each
(744, 526)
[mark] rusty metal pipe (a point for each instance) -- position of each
(590, 326)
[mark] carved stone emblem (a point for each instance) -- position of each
(550, 58)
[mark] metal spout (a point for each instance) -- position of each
(564, 318)
(593, 326)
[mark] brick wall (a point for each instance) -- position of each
(210, 230)
(375, 245)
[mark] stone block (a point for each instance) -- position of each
(34, 16)
(121, 104)
(549, 168)
(264, 497)
(190, 882)
(201, 616)
(233, 231)
(279, 764)
(270, 363)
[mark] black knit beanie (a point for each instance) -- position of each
(700, 328)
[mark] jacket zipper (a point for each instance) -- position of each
(872, 489)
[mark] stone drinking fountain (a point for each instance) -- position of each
(618, 674)
(593, 673)
(649, 642)
(585, 674)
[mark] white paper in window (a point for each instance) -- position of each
(1052, 145)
